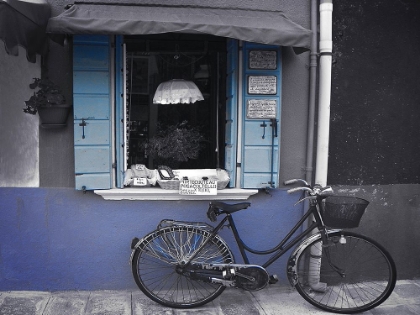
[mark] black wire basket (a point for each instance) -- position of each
(343, 212)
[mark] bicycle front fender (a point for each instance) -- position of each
(294, 256)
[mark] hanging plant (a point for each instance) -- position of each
(48, 94)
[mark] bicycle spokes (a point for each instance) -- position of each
(345, 277)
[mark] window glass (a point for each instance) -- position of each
(182, 136)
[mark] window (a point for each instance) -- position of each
(197, 128)
(115, 118)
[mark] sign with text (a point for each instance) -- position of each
(262, 84)
(263, 59)
(261, 109)
(140, 181)
(198, 187)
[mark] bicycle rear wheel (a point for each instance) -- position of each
(155, 266)
(352, 273)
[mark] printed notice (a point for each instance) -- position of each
(140, 181)
(261, 109)
(263, 59)
(198, 187)
(262, 84)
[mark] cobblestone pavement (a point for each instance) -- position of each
(274, 300)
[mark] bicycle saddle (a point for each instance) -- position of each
(218, 207)
(230, 208)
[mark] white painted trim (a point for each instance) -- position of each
(112, 118)
(125, 107)
(153, 193)
(239, 118)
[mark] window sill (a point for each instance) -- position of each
(150, 193)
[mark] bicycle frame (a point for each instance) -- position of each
(285, 244)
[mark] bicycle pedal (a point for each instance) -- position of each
(273, 279)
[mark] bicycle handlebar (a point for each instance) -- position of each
(293, 190)
(292, 181)
(316, 190)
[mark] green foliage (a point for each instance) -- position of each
(48, 94)
(177, 142)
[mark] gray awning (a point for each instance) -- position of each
(23, 23)
(266, 27)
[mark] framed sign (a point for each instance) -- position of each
(262, 84)
(261, 109)
(262, 59)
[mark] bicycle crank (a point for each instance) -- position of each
(252, 278)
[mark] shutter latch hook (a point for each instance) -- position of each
(83, 124)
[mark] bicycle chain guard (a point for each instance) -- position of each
(247, 277)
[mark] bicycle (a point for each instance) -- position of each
(187, 264)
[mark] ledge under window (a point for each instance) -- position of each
(151, 193)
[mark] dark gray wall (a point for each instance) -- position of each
(374, 140)
(375, 105)
(393, 219)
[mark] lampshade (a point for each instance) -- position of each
(177, 91)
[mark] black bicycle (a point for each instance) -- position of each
(187, 264)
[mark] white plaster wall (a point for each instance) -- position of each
(19, 140)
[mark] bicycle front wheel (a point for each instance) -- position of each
(350, 274)
(155, 265)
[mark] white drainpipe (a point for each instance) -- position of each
(325, 64)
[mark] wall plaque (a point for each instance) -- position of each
(262, 84)
(261, 109)
(263, 59)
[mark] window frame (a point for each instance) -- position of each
(117, 126)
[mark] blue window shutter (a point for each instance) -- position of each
(231, 110)
(91, 104)
(260, 150)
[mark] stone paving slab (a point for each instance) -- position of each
(109, 303)
(274, 300)
(67, 303)
(23, 302)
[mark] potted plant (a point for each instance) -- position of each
(48, 102)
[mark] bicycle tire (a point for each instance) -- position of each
(368, 273)
(155, 261)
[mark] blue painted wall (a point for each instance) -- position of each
(62, 239)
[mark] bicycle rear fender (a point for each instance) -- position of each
(136, 242)
(291, 264)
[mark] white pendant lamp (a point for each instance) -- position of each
(177, 91)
